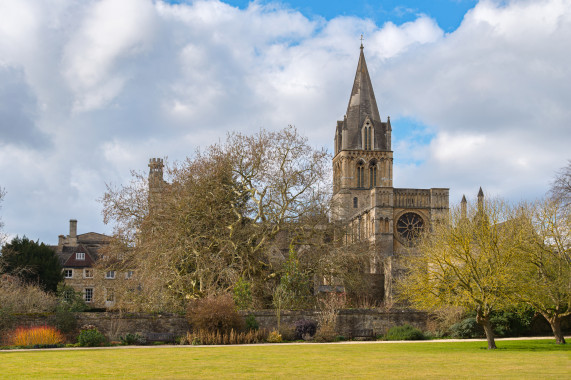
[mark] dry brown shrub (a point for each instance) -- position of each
(18, 297)
(215, 313)
(207, 337)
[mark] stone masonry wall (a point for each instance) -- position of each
(351, 323)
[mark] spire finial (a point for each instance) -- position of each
(361, 41)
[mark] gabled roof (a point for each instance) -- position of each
(71, 260)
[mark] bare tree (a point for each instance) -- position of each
(561, 185)
(218, 218)
(2, 195)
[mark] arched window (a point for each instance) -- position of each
(367, 135)
(360, 175)
(373, 173)
(355, 202)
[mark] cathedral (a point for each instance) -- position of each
(364, 199)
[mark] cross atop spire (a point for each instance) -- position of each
(362, 41)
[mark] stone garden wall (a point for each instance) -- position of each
(350, 322)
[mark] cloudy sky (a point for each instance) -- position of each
(479, 92)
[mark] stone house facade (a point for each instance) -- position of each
(77, 255)
(365, 199)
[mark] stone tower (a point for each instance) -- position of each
(364, 199)
(156, 181)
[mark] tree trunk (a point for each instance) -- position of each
(555, 323)
(484, 321)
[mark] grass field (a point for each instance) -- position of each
(512, 359)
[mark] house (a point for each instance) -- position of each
(78, 255)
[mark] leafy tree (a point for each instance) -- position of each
(544, 268)
(466, 262)
(32, 262)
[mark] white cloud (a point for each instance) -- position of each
(101, 86)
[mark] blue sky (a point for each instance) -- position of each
(478, 91)
(448, 13)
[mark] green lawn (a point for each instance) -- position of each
(513, 359)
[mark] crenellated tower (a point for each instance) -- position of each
(156, 181)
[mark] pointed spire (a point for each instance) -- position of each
(463, 207)
(362, 103)
(480, 193)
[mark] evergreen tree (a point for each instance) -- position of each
(33, 262)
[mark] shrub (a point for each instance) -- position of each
(274, 337)
(467, 328)
(208, 337)
(89, 336)
(214, 313)
(251, 323)
(242, 293)
(305, 329)
(325, 333)
(406, 332)
(18, 297)
(41, 336)
(64, 320)
(287, 332)
(131, 339)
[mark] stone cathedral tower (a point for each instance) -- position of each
(364, 198)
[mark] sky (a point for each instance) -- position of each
(478, 91)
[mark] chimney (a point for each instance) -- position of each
(72, 228)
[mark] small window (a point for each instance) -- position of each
(355, 202)
(110, 274)
(68, 273)
(80, 256)
(129, 274)
(88, 294)
(88, 273)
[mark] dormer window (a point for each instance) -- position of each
(80, 256)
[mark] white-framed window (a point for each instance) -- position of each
(88, 294)
(88, 273)
(129, 274)
(110, 274)
(80, 255)
(68, 273)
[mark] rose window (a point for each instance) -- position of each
(409, 227)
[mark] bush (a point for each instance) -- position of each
(467, 328)
(242, 292)
(274, 337)
(251, 323)
(64, 320)
(208, 337)
(325, 333)
(214, 313)
(287, 332)
(406, 332)
(40, 336)
(89, 336)
(18, 297)
(131, 339)
(305, 329)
